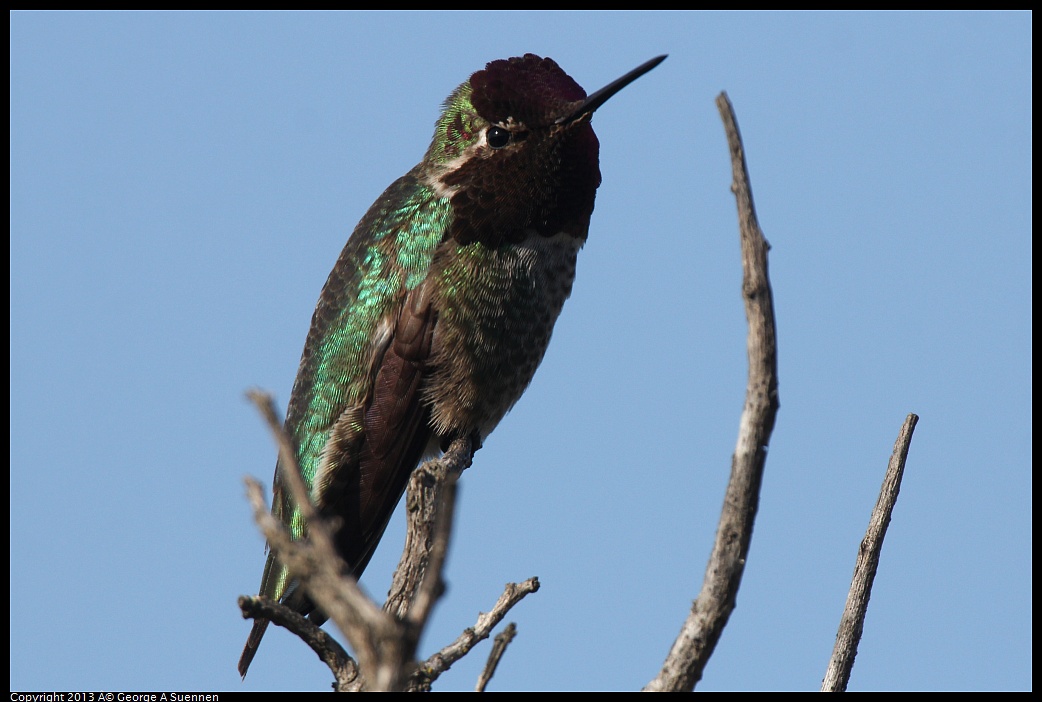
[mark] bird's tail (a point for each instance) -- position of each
(252, 643)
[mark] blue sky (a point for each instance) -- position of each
(181, 185)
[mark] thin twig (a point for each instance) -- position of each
(852, 623)
(374, 636)
(441, 661)
(694, 645)
(499, 647)
(385, 644)
(322, 580)
(329, 651)
(290, 472)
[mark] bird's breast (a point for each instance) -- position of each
(496, 311)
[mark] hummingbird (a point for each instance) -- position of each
(440, 308)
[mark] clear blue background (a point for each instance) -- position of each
(181, 185)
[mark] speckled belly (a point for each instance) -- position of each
(496, 311)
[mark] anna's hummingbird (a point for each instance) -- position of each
(442, 303)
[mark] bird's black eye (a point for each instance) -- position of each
(497, 137)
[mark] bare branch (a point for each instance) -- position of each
(374, 635)
(344, 668)
(499, 647)
(441, 661)
(348, 606)
(852, 623)
(287, 456)
(430, 505)
(683, 666)
(433, 585)
(322, 579)
(385, 643)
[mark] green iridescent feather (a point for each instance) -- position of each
(392, 259)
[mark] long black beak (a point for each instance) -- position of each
(602, 96)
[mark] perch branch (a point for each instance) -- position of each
(432, 491)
